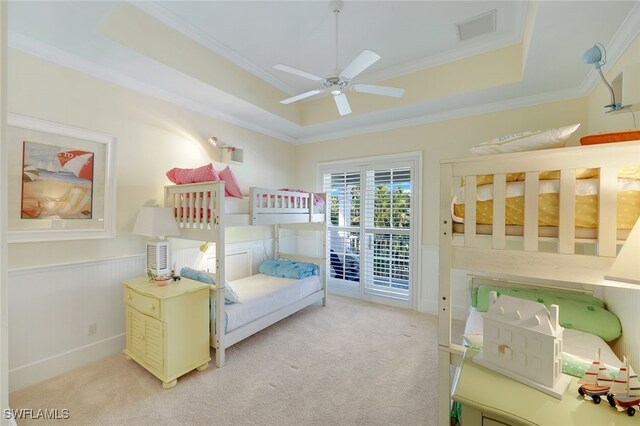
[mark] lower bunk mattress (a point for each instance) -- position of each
(579, 347)
(263, 294)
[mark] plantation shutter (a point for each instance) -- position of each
(343, 241)
(387, 232)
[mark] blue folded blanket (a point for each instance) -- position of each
(288, 269)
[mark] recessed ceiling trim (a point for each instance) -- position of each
(462, 52)
(443, 58)
(169, 18)
(69, 60)
(449, 115)
(627, 32)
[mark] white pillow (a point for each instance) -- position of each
(230, 294)
(526, 141)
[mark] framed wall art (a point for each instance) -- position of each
(61, 181)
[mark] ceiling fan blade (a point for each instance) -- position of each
(359, 64)
(297, 72)
(301, 96)
(378, 90)
(342, 103)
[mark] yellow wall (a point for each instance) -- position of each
(598, 120)
(447, 139)
(153, 136)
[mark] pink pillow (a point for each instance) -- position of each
(317, 198)
(201, 174)
(231, 187)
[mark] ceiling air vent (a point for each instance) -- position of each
(477, 26)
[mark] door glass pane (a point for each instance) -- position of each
(343, 240)
(389, 198)
(344, 255)
(387, 205)
(344, 195)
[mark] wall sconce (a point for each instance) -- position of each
(230, 154)
(597, 56)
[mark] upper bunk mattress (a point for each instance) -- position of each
(548, 203)
(262, 294)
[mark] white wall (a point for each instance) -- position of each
(446, 139)
(153, 136)
(4, 325)
(58, 289)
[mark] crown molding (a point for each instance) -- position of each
(164, 15)
(441, 59)
(452, 114)
(69, 60)
(626, 34)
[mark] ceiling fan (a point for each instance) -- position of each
(340, 82)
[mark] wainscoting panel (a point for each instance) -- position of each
(64, 316)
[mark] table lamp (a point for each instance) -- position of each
(626, 267)
(158, 223)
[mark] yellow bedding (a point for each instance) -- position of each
(627, 172)
(586, 210)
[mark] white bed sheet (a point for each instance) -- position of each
(575, 342)
(262, 294)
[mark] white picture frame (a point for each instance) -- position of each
(39, 195)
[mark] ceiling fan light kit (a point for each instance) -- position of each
(336, 85)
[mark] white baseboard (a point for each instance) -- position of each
(340, 291)
(33, 373)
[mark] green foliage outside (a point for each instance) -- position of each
(391, 209)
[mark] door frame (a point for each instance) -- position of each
(416, 212)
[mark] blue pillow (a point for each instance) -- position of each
(288, 269)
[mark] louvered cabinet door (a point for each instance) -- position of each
(145, 339)
(167, 327)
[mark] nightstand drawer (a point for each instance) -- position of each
(144, 304)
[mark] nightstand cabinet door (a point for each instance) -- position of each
(145, 338)
(167, 327)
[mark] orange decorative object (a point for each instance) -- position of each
(629, 135)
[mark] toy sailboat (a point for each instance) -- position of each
(596, 381)
(625, 390)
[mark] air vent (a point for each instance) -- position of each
(477, 26)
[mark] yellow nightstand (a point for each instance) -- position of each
(167, 327)
(488, 398)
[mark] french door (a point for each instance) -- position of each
(371, 236)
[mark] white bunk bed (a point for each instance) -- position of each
(565, 260)
(202, 213)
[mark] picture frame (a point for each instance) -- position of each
(61, 181)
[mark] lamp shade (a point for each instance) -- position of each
(593, 56)
(155, 222)
(626, 267)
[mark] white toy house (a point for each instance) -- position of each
(523, 340)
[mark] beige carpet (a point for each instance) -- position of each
(350, 363)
